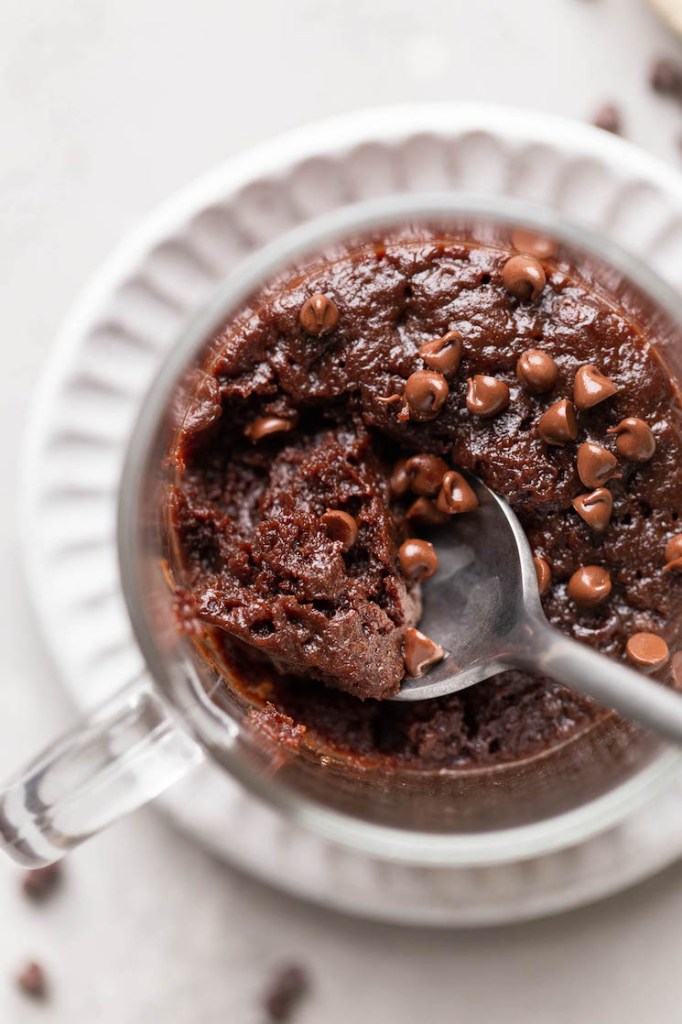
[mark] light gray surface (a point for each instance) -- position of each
(105, 109)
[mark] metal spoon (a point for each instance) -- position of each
(483, 608)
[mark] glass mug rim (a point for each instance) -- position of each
(209, 723)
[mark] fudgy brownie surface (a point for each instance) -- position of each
(291, 419)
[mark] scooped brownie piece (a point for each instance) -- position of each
(309, 572)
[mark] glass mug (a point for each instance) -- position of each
(152, 733)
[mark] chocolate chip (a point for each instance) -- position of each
(264, 426)
(32, 980)
(418, 560)
(543, 573)
(286, 990)
(609, 119)
(591, 387)
(399, 482)
(673, 554)
(595, 465)
(340, 526)
(425, 393)
(537, 371)
(589, 586)
(665, 77)
(524, 277)
(456, 495)
(420, 652)
(647, 651)
(558, 424)
(486, 396)
(424, 512)
(534, 244)
(634, 439)
(443, 354)
(40, 883)
(425, 474)
(595, 508)
(319, 315)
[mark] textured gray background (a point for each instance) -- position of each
(106, 107)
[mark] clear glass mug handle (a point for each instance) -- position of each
(125, 753)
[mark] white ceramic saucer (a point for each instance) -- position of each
(114, 341)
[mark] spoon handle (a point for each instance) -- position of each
(612, 684)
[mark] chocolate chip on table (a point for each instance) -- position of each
(647, 651)
(425, 474)
(537, 371)
(32, 980)
(264, 426)
(418, 559)
(287, 988)
(533, 244)
(595, 465)
(665, 77)
(591, 387)
(524, 277)
(589, 586)
(595, 508)
(543, 573)
(634, 439)
(340, 526)
(425, 393)
(609, 119)
(40, 883)
(456, 495)
(443, 354)
(673, 554)
(319, 315)
(420, 652)
(486, 396)
(425, 512)
(558, 424)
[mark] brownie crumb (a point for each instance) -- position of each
(665, 77)
(277, 725)
(40, 883)
(31, 980)
(286, 990)
(609, 119)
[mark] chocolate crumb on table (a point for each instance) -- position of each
(32, 980)
(40, 883)
(609, 119)
(665, 77)
(286, 990)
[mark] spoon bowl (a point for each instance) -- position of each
(479, 597)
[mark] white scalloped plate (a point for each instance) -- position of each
(108, 352)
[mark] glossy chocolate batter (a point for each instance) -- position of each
(292, 501)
